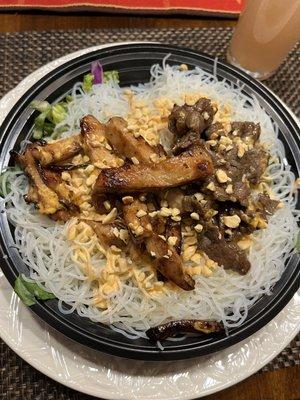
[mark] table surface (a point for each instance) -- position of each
(283, 384)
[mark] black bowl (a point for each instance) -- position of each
(133, 62)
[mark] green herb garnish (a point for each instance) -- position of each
(29, 291)
(50, 116)
(87, 84)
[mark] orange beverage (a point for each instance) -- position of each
(266, 31)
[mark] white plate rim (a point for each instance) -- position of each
(5, 105)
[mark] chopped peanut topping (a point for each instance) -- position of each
(232, 221)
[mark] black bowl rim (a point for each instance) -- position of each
(91, 340)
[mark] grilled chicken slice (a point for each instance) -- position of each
(93, 138)
(105, 233)
(65, 214)
(140, 226)
(189, 166)
(165, 257)
(54, 181)
(172, 328)
(32, 195)
(168, 262)
(125, 143)
(60, 150)
(46, 198)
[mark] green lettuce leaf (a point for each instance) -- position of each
(111, 75)
(29, 291)
(88, 80)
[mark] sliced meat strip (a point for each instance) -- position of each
(189, 166)
(93, 138)
(125, 143)
(138, 224)
(173, 328)
(266, 205)
(47, 199)
(54, 181)
(185, 142)
(60, 150)
(165, 258)
(191, 118)
(32, 195)
(226, 254)
(105, 233)
(65, 214)
(168, 262)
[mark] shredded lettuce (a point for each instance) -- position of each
(49, 117)
(5, 187)
(29, 291)
(88, 80)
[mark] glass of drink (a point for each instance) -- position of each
(266, 31)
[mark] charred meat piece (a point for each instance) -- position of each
(215, 130)
(57, 151)
(226, 254)
(186, 141)
(254, 164)
(105, 233)
(65, 214)
(125, 143)
(139, 225)
(266, 205)
(228, 209)
(202, 207)
(191, 118)
(32, 195)
(173, 229)
(234, 173)
(98, 202)
(93, 138)
(168, 262)
(45, 198)
(165, 258)
(189, 166)
(54, 181)
(173, 328)
(246, 129)
(65, 167)
(240, 129)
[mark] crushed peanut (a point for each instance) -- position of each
(211, 186)
(172, 240)
(111, 216)
(229, 189)
(135, 160)
(195, 216)
(141, 213)
(221, 175)
(198, 228)
(232, 221)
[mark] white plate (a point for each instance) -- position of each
(109, 377)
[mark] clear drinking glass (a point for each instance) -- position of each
(266, 31)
